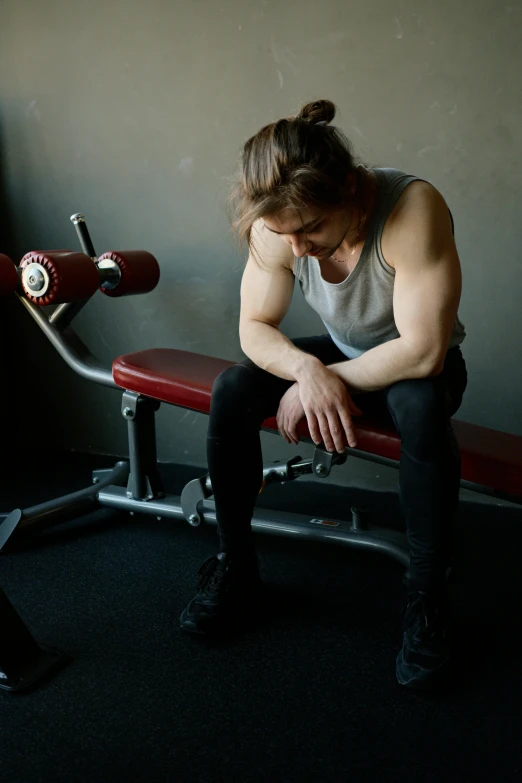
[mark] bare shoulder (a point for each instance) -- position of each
(269, 250)
(422, 215)
(420, 201)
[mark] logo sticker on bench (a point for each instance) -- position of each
(327, 522)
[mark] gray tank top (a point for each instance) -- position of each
(358, 312)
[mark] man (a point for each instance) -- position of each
(374, 254)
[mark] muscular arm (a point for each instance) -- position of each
(428, 283)
(266, 292)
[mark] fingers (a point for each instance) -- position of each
(291, 429)
(287, 429)
(319, 427)
(326, 435)
(349, 429)
(334, 429)
(338, 433)
(330, 432)
(313, 427)
(290, 434)
(281, 426)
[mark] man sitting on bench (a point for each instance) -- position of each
(374, 254)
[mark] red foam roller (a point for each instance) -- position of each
(8, 275)
(35, 252)
(139, 271)
(69, 277)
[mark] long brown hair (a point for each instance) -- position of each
(296, 162)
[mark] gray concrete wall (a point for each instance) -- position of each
(134, 113)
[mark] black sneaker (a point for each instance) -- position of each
(225, 586)
(424, 657)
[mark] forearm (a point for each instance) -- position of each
(384, 365)
(267, 347)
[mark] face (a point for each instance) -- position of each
(310, 232)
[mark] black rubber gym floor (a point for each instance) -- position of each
(307, 693)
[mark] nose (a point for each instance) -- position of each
(300, 244)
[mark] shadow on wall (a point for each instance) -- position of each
(10, 388)
(6, 233)
(23, 159)
(26, 403)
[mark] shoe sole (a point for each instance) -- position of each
(221, 620)
(211, 626)
(190, 627)
(430, 680)
(194, 631)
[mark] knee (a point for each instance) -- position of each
(233, 391)
(418, 408)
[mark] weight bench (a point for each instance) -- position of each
(491, 461)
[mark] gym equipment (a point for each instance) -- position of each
(23, 662)
(139, 272)
(58, 276)
(8, 275)
(491, 461)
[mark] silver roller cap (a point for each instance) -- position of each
(35, 280)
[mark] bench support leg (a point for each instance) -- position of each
(144, 479)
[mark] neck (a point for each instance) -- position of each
(358, 228)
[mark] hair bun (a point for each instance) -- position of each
(317, 111)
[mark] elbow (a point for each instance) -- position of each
(435, 369)
(430, 365)
(243, 337)
(247, 337)
(243, 342)
(426, 361)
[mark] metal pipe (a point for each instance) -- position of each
(78, 221)
(480, 489)
(281, 523)
(64, 313)
(88, 367)
(119, 474)
(493, 493)
(52, 512)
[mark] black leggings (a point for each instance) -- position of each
(429, 476)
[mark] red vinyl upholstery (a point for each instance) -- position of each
(489, 458)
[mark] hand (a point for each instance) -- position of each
(328, 407)
(289, 414)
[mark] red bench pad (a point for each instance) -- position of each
(489, 458)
